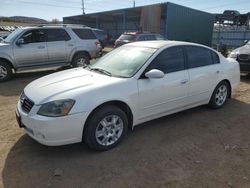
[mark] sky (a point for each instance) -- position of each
(50, 9)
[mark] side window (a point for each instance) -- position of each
(142, 38)
(33, 36)
(27, 37)
(169, 60)
(198, 56)
(151, 37)
(57, 35)
(215, 57)
(84, 33)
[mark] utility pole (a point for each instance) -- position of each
(83, 9)
(134, 3)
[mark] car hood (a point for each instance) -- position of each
(55, 86)
(242, 50)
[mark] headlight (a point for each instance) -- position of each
(233, 55)
(56, 108)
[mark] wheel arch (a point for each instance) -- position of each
(230, 87)
(120, 104)
(7, 61)
(80, 52)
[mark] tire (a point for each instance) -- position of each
(220, 95)
(99, 134)
(80, 60)
(5, 71)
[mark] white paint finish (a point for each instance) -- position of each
(147, 98)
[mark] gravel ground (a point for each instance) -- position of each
(196, 148)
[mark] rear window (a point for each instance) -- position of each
(127, 37)
(84, 33)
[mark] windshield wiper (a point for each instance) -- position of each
(101, 71)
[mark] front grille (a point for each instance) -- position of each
(26, 103)
(244, 57)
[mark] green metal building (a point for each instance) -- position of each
(174, 22)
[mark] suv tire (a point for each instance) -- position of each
(5, 71)
(80, 60)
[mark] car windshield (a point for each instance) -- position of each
(12, 36)
(124, 61)
(127, 37)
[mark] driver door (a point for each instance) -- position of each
(165, 95)
(34, 49)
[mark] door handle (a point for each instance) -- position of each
(70, 45)
(184, 81)
(217, 72)
(41, 47)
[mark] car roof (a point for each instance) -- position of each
(162, 43)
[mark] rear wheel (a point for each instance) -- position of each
(5, 71)
(220, 95)
(80, 60)
(105, 128)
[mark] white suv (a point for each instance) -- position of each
(47, 46)
(132, 84)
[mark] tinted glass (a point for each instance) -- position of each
(84, 33)
(142, 38)
(34, 36)
(198, 56)
(215, 57)
(127, 37)
(57, 35)
(170, 60)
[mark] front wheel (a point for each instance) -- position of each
(220, 95)
(105, 128)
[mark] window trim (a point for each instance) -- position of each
(202, 47)
(46, 33)
(142, 76)
(32, 30)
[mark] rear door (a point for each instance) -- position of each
(34, 50)
(204, 71)
(59, 45)
(159, 96)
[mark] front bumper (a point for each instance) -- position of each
(52, 131)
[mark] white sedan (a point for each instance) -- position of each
(132, 84)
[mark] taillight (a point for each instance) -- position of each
(97, 43)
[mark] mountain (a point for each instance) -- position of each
(23, 19)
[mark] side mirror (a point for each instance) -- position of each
(154, 74)
(20, 41)
(246, 41)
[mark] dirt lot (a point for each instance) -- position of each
(195, 148)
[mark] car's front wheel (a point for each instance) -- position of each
(220, 95)
(105, 128)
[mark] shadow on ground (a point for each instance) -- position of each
(187, 149)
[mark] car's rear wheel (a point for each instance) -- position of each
(80, 60)
(5, 71)
(220, 95)
(105, 128)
